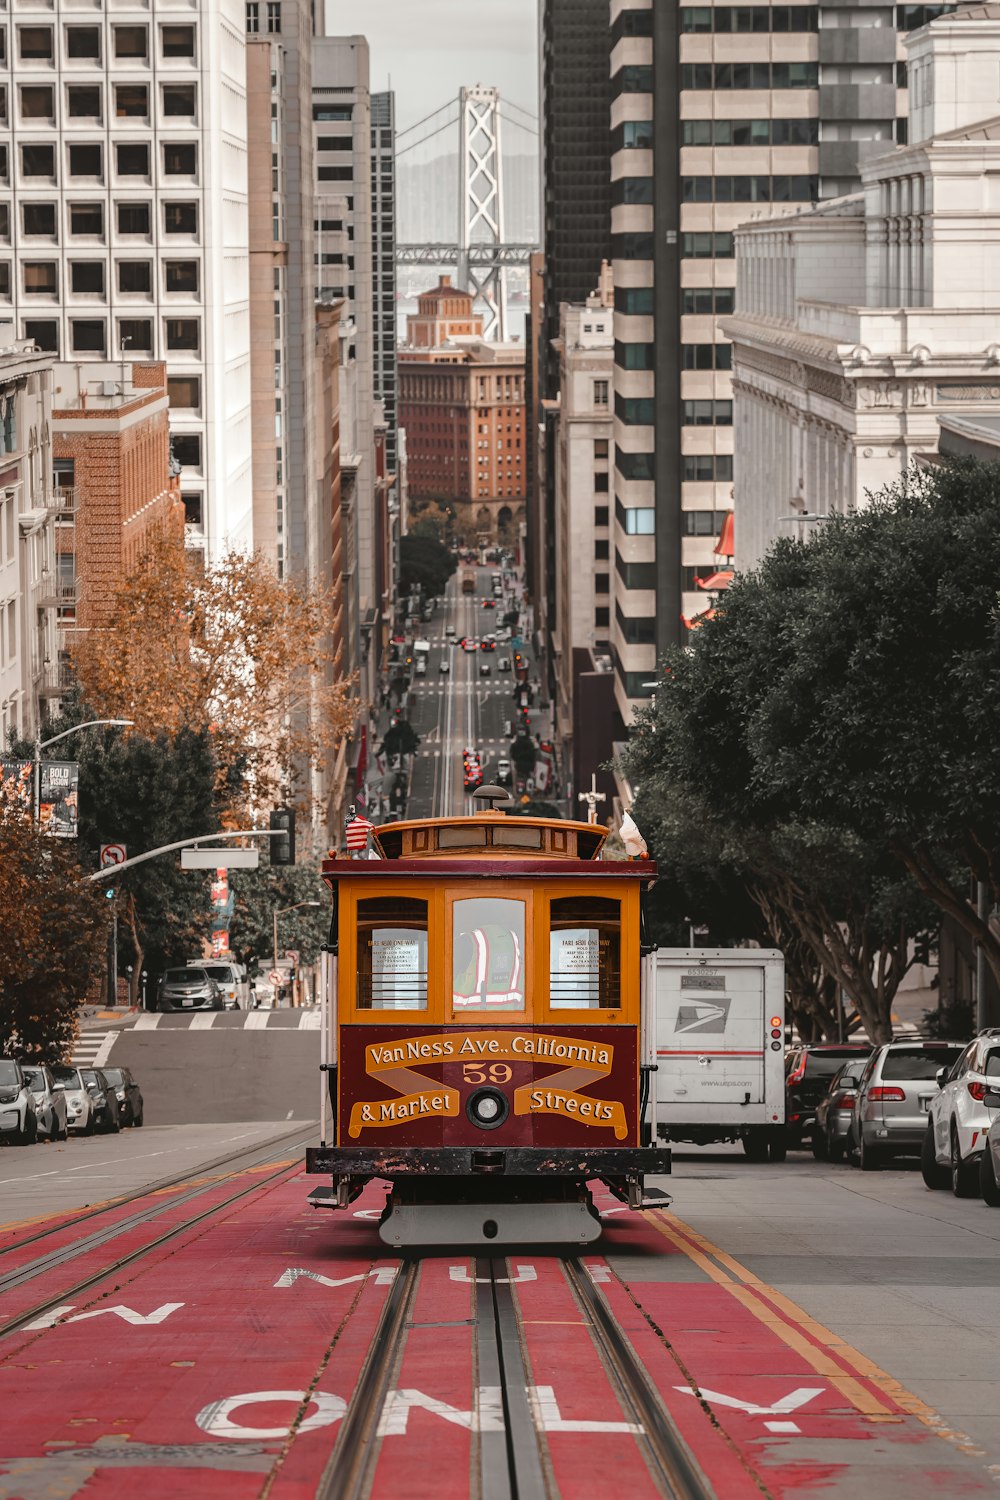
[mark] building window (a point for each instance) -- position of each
(750, 75)
(192, 508)
(634, 301)
(4, 221)
(131, 101)
(44, 332)
(84, 101)
(634, 465)
(705, 247)
(750, 18)
(332, 112)
(5, 280)
(87, 276)
(750, 132)
(83, 42)
(183, 333)
(707, 413)
(85, 161)
(725, 189)
(335, 143)
(39, 219)
(335, 174)
(602, 583)
(632, 245)
(132, 160)
(274, 17)
(186, 448)
(635, 411)
(38, 161)
(708, 300)
(636, 520)
(633, 135)
(180, 218)
(253, 18)
(602, 615)
(35, 43)
(701, 467)
(910, 17)
(88, 335)
(135, 276)
(184, 391)
(40, 278)
(636, 78)
(177, 41)
(635, 575)
(600, 393)
(133, 218)
(37, 102)
(131, 41)
(135, 334)
(86, 220)
(601, 482)
(601, 515)
(631, 190)
(179, 99)
(181, 276)
(707, 356)
(180, 159)
(601, 553)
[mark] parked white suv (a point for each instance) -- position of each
(231, 978)
(958, 1118)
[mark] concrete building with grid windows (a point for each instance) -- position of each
(384, 267)
(719, 113)
(123, 217)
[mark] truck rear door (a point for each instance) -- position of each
(710, 1034)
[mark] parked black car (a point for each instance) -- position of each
(830, 1135)
(129, 1094)
(189, 989)
(808, 1071)
(107, 1113)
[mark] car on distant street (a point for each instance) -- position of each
(81, 1114)
(484, 669)
(469, 644)
(129, 1094)
(51, 1109)
(808, 1070)
(503, 663)
(107, 1110)
(188, 989)
(489, 604)
(959, 1118)
(893, 1097)
(449, 631)
(18, 1120)
(444, 665)
(229, 976)
(834, 1111)
(503, 771)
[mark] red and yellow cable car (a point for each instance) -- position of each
(487, 1030)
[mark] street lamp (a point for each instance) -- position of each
(41, 745)
(280, 912)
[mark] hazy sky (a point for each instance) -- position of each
(426, 49)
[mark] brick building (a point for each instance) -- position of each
(111, 465)
(462, 403)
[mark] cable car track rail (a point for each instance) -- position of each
(73, 1251)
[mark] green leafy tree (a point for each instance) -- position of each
(146, 792)
(258, 894)
(52, 938)
(424, 563)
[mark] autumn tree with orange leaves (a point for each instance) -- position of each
(228, 648)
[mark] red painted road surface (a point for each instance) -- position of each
(221, 1364)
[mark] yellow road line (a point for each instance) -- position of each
(755, 1295)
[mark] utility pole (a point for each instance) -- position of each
(591, 798)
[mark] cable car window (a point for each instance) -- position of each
(460, 838)
(392, 953)
(584, 953)
(520, 838)
(488, 954)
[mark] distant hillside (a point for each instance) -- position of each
(427, 199)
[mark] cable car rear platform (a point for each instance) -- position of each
(450, 1195)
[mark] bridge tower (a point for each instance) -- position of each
(481, 203)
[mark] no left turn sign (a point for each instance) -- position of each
(112, 854)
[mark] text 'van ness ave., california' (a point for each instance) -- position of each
(487, 1044)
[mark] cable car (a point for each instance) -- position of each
(487, 1030)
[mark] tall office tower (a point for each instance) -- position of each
(288, 524)
(719, 113)
(574, 98)
(341, 112)
(123, 204)
(384, 265)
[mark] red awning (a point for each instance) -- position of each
(725, 546)
(720, 580)
(696, 620)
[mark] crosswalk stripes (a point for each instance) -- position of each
(92, 1048)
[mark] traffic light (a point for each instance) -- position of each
(283, 848)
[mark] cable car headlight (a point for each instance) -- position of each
(487, 1108)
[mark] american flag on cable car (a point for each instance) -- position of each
(357, 832)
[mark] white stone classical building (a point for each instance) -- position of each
(28, 645)
(862, 322)
(585, 434)
(123, 215)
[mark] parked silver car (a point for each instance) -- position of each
(51, 1109)
(81, 1110)
(894, 1095)
(989, 1162)
(831, 1131)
